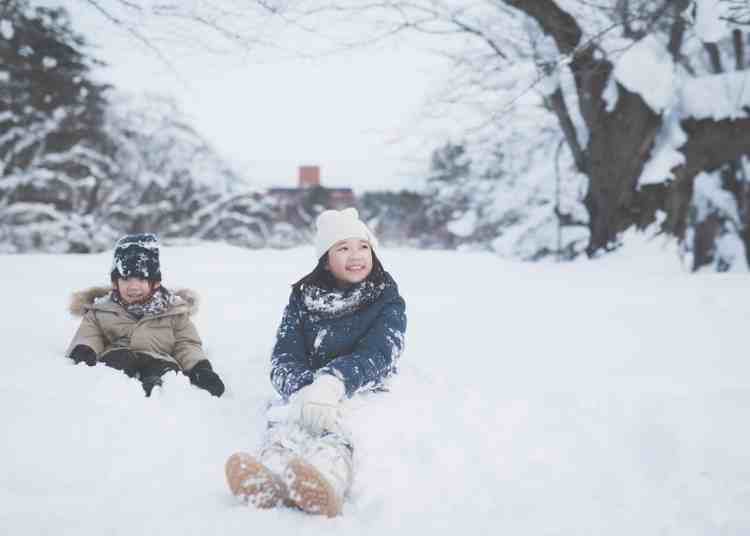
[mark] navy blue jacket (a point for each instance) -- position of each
(360, 347)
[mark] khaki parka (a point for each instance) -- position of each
(107, 326)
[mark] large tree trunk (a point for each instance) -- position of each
(619, 146)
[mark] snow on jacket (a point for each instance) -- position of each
(361, 346)
(107, 326)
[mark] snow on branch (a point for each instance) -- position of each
(665, 155)
(719, 96)
(647, 69)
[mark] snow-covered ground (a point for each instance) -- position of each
(608, 397)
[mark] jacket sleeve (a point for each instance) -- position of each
(290, 369)
(89, 334)
(188, 348)
(375, 356)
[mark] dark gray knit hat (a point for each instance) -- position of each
(137, 255)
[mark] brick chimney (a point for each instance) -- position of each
(309, 176)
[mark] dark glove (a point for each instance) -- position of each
(151, 370)
(202, 375)
(83, 353)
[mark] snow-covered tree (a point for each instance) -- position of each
(167, 171)
(52, 152)
(81, 164)
(399, 218)
(448, 193)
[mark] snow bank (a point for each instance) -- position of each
(600, 397)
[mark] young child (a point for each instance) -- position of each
(137, 325)
(341, 333)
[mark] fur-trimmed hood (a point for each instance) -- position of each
(89, 298)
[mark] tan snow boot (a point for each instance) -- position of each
(318, 480)
(310, 490)
(254, 482)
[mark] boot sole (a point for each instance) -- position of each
(253, 482)
(310, 491)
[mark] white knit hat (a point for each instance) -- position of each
(336, 225)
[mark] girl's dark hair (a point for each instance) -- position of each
(322, 278)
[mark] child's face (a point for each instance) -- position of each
(350, 261)
(134, 289)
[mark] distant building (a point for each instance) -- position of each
(309, 190)
(309, 176)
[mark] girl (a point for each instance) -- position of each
(341, 333)
(137, 325)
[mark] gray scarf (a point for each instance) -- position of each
(335, 303)
(155, 305)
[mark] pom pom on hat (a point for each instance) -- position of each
(136, 255)
(336, 225)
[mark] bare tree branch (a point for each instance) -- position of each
(557, 102)
(130, 5)
(739, 12)
(482, 35)
(136, 34)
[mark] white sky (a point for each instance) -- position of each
(355, 114)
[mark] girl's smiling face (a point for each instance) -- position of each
(350, 261)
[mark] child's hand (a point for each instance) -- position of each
(317, 405)
(83, 353)
(203, 376)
